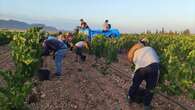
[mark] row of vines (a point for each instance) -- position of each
(6, 36)
(177, 58)
(26, 54)
(176, 52)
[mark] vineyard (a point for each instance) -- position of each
(100, 83)
(177, 56)
(5, 37)
(25, 52)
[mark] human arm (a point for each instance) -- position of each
(86, 45)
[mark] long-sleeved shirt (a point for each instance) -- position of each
(53, 44)
(144, 57)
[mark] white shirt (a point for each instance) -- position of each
(144, 57)
(80, 44)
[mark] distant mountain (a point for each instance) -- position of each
(46, 28)
(13, 24)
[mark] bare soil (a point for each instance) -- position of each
(91, 86)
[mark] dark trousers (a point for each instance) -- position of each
(79, 52)
(150, 75)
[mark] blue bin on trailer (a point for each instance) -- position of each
(110, 33)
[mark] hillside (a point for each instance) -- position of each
(14, 24)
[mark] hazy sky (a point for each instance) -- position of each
(127, 15)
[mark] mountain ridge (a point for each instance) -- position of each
(15, 24)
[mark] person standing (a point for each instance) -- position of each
(83, 24)
(146, 63)
(106, 26)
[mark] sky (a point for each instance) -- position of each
(131, 16)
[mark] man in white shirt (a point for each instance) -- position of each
(146, 63)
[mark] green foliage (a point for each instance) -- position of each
(192, 93)
(111, 50)
(177, 56)
(14, 93)
(104, 47)
(126, 41)
(26, 51)
(176, 52)
(5, 37)
(79, 37)
(98, 45)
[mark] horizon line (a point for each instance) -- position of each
(138, 31)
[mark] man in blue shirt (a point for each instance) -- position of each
(59, 48)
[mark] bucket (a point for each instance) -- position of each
(43, 74)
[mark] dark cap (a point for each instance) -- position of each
(81, 20)
(60, 33)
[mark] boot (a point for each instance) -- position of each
(147, 107)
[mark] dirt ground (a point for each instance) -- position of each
(91, 86)
(5, 58)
